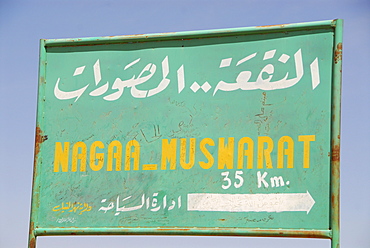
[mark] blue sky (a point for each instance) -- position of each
(24, 23)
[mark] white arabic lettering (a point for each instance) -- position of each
(242, 80)
(153, 204)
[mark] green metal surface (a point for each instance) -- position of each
(222, 132)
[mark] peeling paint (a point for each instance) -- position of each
(32, 243)
(32, 238)
(40, 138)
(270, 26)
(175, 229)
(42, 80)
(338, 53)
(336, 153)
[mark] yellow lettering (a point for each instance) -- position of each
(247, 152)
(225, 157)
(96, 156)
(79, 152)
(183, 163)
(306, 139)
(264, 152)
(168, 154)
(61, 156)
(207, 154)
(114, 155)
(288, 152)
(226, 153)
(135, 155)
(150, 166)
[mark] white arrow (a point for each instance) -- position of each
(250, 202)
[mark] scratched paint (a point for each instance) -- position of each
(188, 132)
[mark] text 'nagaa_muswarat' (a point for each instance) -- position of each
(231, 153)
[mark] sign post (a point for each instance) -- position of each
(221, 132)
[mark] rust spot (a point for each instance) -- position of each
(174, 229)
(40, 137)
(294, 233)
(338, 136)
(269, 26)
(333, 200)
(33, 243)
(222, 219)
(42, 80)
(339, 46)
(31, 228)
(338, 53)
(73, 233)
(335, 151)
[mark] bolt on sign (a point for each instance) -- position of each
(220, 132)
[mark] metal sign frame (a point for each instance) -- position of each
(331, 233)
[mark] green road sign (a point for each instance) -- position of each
(221, 132)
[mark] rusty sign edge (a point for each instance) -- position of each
(188, 34)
